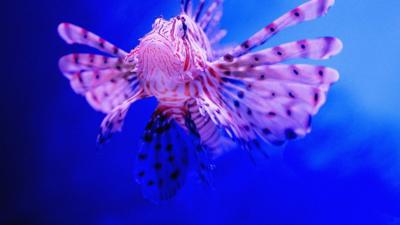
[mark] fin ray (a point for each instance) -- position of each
(268, 101)
(317, 49)
(73, 34)
(305, 12)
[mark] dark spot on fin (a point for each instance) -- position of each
(240, 94)
(150, 183)
(141, 174)
(228, 58)
(148, 137)
(142, 156)
(169, 147)
(245, 45)
(309, 121)
(249, 112)
(116, 50)
(266, 131)
(158, 146)
(290, 134)
(174, 175)
(157, 166)
(316, 98)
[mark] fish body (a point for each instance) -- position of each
(210, 100)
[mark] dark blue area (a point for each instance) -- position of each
(346, 172)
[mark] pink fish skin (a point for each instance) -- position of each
(214, 99)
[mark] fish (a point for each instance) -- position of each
(210, 99)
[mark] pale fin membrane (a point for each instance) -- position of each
(105, 82)
(109, 84)
(272, 102)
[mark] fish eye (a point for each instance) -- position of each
(181, 26)
(184, 27)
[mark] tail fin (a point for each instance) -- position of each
(165, 157)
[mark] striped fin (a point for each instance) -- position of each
(209, 14)
(186, 6)
(76, 62)
(319, 49)
(73, 34)
(296, 73)
(308, 11)
(114, 120)
(217, 37)
(199, 10)
(274, 102)
(108, 96)
(210, 134)
(215, 20)
(280, 81)
(201, 153)
(87, 71)
(105, 82)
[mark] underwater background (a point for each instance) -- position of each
(346, 172)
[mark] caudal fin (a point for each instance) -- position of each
(166, 156)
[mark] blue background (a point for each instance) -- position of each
(347, 171)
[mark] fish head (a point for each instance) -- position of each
(173, 50)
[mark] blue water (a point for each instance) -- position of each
(346, 172)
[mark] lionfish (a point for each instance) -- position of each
(209, 100)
